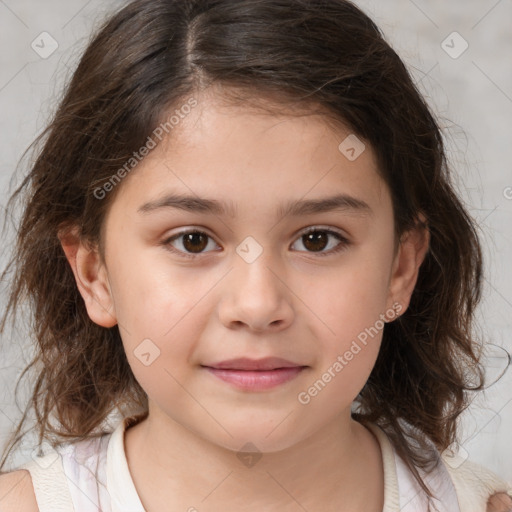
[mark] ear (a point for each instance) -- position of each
(411, 252)
(91, 277)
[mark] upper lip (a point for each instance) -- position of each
(245, 363)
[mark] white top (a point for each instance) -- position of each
(93, 476)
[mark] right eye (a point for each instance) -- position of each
(191, 240)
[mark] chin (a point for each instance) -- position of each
(256, 440)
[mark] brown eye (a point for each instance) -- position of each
(195, 242)
(192, 242)
(316, 240)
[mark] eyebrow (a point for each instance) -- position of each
(339, 202)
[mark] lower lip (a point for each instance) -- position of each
(257, 380)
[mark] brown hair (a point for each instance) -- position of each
(148, 59)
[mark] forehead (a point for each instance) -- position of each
(255, 152)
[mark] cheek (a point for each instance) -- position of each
(153, 298)
(162, 322)
(159, 317)
(348, 343)
(353, 297)
(350, 304)
(337, 384)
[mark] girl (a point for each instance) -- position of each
(240, 235)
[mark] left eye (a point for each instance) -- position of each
(317, 239)
(194, 242)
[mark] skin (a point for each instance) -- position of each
(500, 502)
(289, 302)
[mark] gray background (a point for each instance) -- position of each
(472, 94)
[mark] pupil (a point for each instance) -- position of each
(314, 237)
(194, 238)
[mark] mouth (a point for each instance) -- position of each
(247, 364)
(255, 375)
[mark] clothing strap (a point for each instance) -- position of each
(391, 494)
(123, 495)
(50, 483)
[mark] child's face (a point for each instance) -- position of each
(297, 300)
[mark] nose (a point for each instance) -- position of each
(255, 295)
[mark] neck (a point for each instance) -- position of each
(338, 465)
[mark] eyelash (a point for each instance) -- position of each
(344, 243)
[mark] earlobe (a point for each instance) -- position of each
(411, 253)
(91, 278)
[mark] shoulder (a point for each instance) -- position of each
(468, 472)
(17, 492)
(474, 483)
